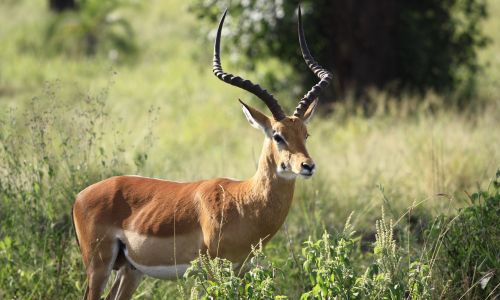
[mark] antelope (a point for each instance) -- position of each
(145, 226)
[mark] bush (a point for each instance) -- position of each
(469, 258)
(333, 275)
(329, 267)
(216, 279)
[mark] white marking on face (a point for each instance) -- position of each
(285, 173)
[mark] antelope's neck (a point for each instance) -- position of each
(269, 189)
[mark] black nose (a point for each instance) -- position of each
(308, 167)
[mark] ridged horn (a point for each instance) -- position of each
(324, 75)
(247, 85)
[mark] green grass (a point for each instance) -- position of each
(66, 122)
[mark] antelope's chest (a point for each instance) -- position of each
(236, 237)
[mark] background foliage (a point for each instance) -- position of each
(400, 46)
(92, 26)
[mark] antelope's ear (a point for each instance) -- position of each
(310, 111)
(256, 118)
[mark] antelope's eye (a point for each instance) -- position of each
(278, 139)
(307, 135)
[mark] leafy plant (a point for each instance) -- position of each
(468, 259)
(328, 265)
(216, 279)
(329, 268)
(333, 275)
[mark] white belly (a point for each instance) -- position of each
(162, 272)
(161, 257)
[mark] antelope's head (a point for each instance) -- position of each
(288, 134)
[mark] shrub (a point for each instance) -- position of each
(468, 261)
(329, 267)
(216, 278)
(333, 275)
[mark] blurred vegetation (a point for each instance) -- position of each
(67, 121)
(398, 46)
(62, 5)
(92, 27)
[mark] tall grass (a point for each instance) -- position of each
(457, 261)
(48, 154)
(53, 150)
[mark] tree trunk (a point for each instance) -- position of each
(62, 5)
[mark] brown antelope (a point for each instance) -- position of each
(149, 226)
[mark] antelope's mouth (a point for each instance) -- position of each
(306, 175)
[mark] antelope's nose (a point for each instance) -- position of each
(307, 168)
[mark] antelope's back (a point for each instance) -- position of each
(145, 205)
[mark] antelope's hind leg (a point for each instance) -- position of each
(126, 282)
(99, 267)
